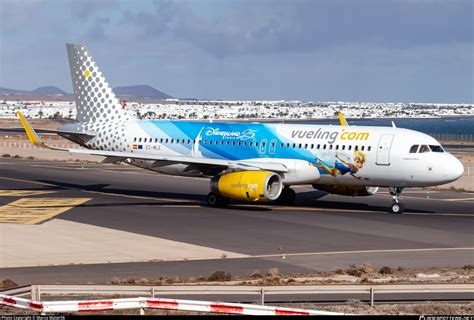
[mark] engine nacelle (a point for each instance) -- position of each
(248, 185)
(355, 191)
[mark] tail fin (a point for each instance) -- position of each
(95, 100)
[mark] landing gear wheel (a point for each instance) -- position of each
(287, 196)
(397, 208)
(214, 200)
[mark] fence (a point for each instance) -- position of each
(453, 136)
(152, 303)
(36, 291)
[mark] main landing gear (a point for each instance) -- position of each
(287, 196)
(215, 200)
(397, 207)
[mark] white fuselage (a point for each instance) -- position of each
(313, 154)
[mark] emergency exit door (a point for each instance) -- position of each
(383, 150)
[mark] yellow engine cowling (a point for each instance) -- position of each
(248, 185)
(355, 191)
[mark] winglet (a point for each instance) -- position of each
(32, 135)
(342, 119)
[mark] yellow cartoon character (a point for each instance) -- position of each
(341, 167)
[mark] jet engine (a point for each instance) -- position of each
(249, 186)
(355, 191)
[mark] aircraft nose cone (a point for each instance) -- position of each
(455, 169)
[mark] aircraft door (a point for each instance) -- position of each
(263, 146)
(383, 150)
(272, 147)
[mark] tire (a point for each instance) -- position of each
(397, 208)
(216, 201)
(212, 200)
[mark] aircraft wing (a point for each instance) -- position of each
(231, 164)
(160, 159)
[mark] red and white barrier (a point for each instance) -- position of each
(153, 303)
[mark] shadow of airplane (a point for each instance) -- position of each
(304, 199)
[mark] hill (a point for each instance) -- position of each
(38, 92)
(137, 91)
(141, 91)
(48, 91)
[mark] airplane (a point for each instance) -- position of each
(251, 162)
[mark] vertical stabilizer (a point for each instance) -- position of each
(95, 100)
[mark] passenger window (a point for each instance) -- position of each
(337, 147)
(166, 140)
(356, 148)
(256, 144)
(369, 148)
(424, 148)
(161, 140)
(324, 147)
(436, 148)
(281, 145)
(294, 145)
(299, 146)
(344, 147)
(135, 139)
(312, 146)
(140, 140)
(362, 148)
(414, 148)
(319, 146)
(349, 148)
(287, 145)
(330, 147)
(306, 146)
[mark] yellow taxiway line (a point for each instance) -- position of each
(195, 204)
(22, 193)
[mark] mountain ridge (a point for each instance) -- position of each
(133, 91)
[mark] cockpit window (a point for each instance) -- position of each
(424, 148)
(414, 148)
(436, 148)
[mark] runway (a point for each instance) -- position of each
(94, 222)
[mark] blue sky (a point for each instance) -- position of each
(334, 50)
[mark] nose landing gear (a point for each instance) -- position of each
(397, 207)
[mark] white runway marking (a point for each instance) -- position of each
(358, 252)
